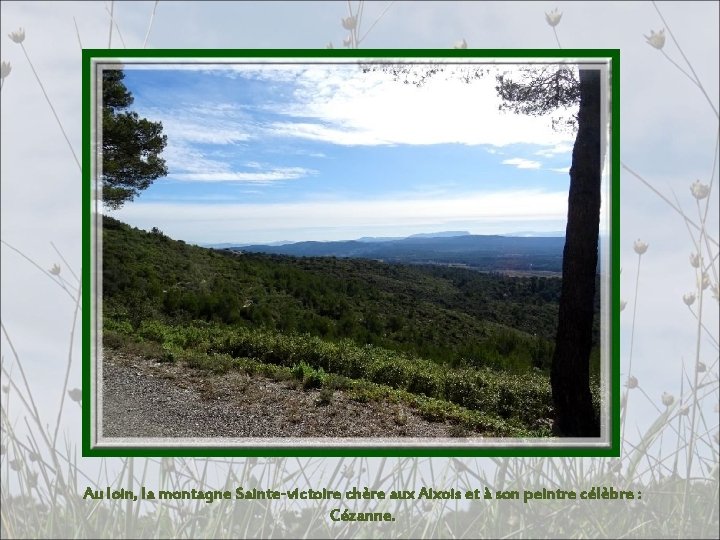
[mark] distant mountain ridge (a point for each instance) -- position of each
(482, 252)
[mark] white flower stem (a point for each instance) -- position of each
(69, 365)
(376, 21)
(556, 37)
(36, 265)
(112, 8)
(632, 340)
(77, 33)
(697, 79)
(674, 63)
(664, 198)
(52, 108)
(152, 18)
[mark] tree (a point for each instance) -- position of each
(131, 145)
(540, 93)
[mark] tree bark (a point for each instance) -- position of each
(570, 376)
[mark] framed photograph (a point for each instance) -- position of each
(328, 253)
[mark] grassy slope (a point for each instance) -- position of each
(436, 338)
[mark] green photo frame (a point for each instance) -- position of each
(608, 445)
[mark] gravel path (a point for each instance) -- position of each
(144, 398)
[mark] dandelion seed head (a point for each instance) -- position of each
(689, 298)
(553, 18)
(699, 190)
(18, 36)
(657, 40)
(640, 247)
(667, 399)
(5, 69)
(684, 410)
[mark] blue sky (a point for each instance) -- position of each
(261, 153)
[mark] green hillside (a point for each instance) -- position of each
(480, 342)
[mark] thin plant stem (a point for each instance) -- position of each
(674, 63)
(117, 27)
(694, 388)
(556, 37)
(664, 198)
(375, 22)
(112, 8)
(697, 79)
(67, 265)
(77, 33)
(52, 107)
(150, 24)
(69, 365)
(632, 338)
(36, 265)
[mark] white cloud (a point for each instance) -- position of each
(521, 163)
(562, 170)
(342, 105)
(562, 148)
(273, 175)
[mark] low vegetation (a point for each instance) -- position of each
(455, 344)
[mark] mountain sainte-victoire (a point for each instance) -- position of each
(458, 248)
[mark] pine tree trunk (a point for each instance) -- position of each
(570, 377)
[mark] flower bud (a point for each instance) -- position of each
(623, 303)
(656, 40)
(667, 399)
(632, 382)
(640, 247)
(553, 18)
(18, 36)
(55, 270)
(699, 190)
(704, 281)
(462, 44)
(701, 367)
(75, 394)
(5, 69)
(689, 298)
(694, 260)
(349, 23)
(684, 410)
